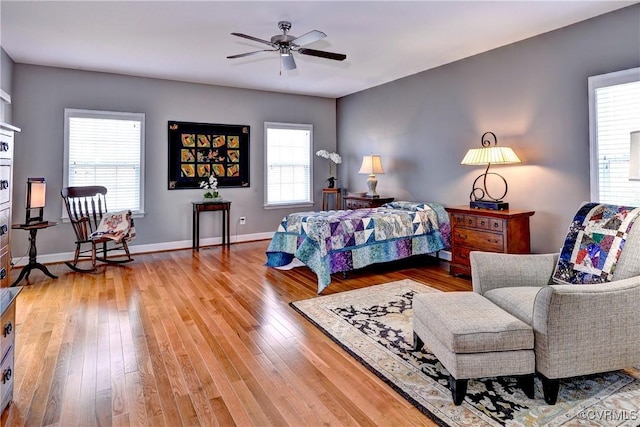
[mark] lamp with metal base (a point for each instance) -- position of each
(487, 155)
(371, 165)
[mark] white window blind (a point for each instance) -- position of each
(614, 113)
(288, 149)
(106, 148)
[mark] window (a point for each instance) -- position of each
(614, 112)
(288, 162)
(106, 148)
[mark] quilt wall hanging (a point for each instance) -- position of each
(199, 150)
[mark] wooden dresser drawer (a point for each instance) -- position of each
(485, 230)
(361, 202)
(4, 227)
(7, 329)
(5, 258)
(479, 240)
(356, 204)
(7, 375)
(6, 145)
(5, 183)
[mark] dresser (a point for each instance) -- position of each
(486, 230)
(7, 294)
(359, 202)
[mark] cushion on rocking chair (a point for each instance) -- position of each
(117, 226)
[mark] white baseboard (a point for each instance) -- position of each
(445, 255)
(152, 247)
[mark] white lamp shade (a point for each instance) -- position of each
(634, 157)
(371, 164)
(490, 155)
(36, 191)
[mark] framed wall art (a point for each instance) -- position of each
(199, 150)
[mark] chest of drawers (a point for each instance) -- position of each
(7, 294)
(360, 202)
(486, 230)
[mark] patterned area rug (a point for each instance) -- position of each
(374, 325)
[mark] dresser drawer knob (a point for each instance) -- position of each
(4, 184)
(3, 229)
(7, 329)
(462, 236)
(4, 146)
(6, 375)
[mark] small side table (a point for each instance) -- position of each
(33, 251)
(331, 194)
(218, 205)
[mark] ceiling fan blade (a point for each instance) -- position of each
(310, 37)
(288, 62)
(322, 54)
(240, 55)
(255, 39)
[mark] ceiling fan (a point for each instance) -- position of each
(287, 44)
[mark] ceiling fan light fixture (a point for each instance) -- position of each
(285, 51)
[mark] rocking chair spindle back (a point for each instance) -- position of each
(86, 206)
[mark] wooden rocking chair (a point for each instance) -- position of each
(86, 207)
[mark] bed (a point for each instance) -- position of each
(339, 241)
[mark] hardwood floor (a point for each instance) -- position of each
(186, 338)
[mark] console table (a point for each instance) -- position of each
(33, 251)
(217, 205)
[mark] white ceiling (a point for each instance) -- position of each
(190, 40)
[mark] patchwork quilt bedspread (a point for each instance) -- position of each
(336, 241)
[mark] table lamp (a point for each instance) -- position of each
(35, 200)
(488, 155)
(371, 165)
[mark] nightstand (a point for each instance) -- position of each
(486, 230)
(359, 202)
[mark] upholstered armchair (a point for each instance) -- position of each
(579, 329)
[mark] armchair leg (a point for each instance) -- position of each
(458, 389)
(550, 387)
(527, 384)
(417, 342)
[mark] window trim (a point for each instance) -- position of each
(85, 113)
(294, 126)
(596, 82)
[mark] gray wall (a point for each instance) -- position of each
(40, 95)
(531, 94)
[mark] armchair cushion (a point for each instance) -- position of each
(594, 243)
(518, 301)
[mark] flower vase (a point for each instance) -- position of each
(211, 196)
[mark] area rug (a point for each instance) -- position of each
(374, 325)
